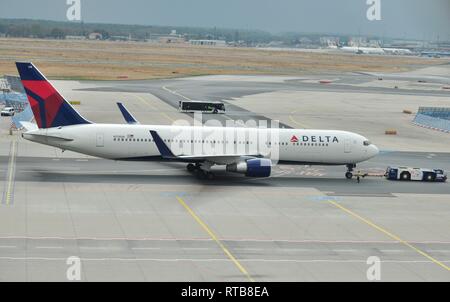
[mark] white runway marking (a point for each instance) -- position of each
(108, 248)
(223, 239)
(219, 260)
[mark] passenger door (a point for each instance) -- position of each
(100, 140)
(347, 145)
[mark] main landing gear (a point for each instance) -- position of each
(349, 174)
(199, 172)
(191, 167)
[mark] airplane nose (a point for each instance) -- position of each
(373, 150)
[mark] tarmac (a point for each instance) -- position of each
(131, 221)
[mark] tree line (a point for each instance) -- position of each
(59, 30)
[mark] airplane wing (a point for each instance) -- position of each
(219, 159)
(129, 118)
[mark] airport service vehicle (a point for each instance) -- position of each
(8, 111)
(408, 173)
(199, 106)
(238, 149)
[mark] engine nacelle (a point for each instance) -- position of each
(256, 167)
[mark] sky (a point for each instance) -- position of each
(418, 19)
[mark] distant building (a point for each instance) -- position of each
(75, 38)
(208, 42)
(171, 39)
(120, 38)
(4, 85)
(95, 36)
(375, 43)
(14, 83)
(332, 42)
(357, 42)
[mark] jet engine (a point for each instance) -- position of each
(256, 167)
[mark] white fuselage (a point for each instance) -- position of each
(134, 142)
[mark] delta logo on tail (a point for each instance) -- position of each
(50, 109)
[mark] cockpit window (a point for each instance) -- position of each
(367, 143)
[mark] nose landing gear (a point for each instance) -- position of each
(349, 174)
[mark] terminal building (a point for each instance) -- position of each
(13, 95)
(220, 43)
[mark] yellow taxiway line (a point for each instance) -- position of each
(214, 237)
(386, 232)
(154, 108)
(175, 93)
(296, 122)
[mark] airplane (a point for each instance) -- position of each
(239, 149)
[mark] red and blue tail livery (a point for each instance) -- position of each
(50, 109)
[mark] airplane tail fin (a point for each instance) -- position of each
(50, 109)
(129, 118)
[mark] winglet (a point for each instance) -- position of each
(129, 118)
(161, 145)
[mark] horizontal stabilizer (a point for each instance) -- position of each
(29, 126)
(29, 135)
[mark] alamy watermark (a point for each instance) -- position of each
(374, 11)
(73, 272)
(74, 10)
(374, 271)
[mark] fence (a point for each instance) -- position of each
(437, 118)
